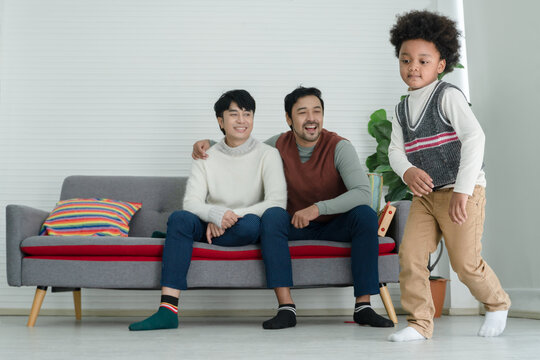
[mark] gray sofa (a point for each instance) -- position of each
(76, 262)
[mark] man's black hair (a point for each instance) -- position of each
(432, 27)
(242, 98)
(298, 93)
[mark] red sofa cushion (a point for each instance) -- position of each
(201, 251)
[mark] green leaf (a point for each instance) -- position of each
(372, 163)
(391, 179)
(382, 158)
(382, 147)
(382, 168)
(399, 192)
(384, 127)
(387, 176)
(378, 115)
(381, 130)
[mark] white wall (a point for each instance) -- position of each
(504, 63)
(125, 87)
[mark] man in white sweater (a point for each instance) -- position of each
(224, 201)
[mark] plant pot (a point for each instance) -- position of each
(438, 292)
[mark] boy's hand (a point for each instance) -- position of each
(229, 219)
(199, 149)
(418, 181)
(213, 231)
(301, 218)
(458, 208)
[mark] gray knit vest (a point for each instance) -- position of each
(432, 144)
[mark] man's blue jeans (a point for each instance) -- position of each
(359, 226)
(183, 228)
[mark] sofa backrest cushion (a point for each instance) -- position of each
(160, 196)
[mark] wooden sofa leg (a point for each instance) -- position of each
(36, 305)
(387, 301)
(77, 303)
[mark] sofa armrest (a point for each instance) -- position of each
(397, 226)
(21, 222)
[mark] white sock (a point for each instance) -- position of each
(494, 323)
(407, 334)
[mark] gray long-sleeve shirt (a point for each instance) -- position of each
(351, 172)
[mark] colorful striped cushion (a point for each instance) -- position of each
(90, 217)
(376, 182)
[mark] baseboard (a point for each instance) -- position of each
(189, 312)
(525, 303)
(524, 314)
(461, 311)
(245, 313)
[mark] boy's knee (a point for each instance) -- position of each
(468, 270)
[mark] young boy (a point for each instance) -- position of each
(437, 148)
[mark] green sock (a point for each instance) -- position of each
(164, 318)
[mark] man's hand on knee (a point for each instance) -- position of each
(301, 218)
(213, 231)
(229, 219)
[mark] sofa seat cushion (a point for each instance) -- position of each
(115, 247)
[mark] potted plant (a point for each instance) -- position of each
(381, 128)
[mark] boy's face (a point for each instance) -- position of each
(419, 63)
(237, 123)
(307, 120)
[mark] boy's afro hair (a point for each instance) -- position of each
(431, 27)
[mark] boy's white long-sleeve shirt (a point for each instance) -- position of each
(456, 109)
(247, 180)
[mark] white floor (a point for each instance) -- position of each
(57, 337)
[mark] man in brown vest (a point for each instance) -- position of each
(328, 199)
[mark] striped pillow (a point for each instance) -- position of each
(376, 182)
(91, 217)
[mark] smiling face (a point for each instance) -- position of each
(419, 63)
(307, 120)
(237, 124)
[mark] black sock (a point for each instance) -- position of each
(168, 299)
(286, 317)
(365, 315)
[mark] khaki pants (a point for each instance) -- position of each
(429, 220)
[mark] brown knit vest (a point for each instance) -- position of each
(315, 180)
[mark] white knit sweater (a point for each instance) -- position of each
(247, 179)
